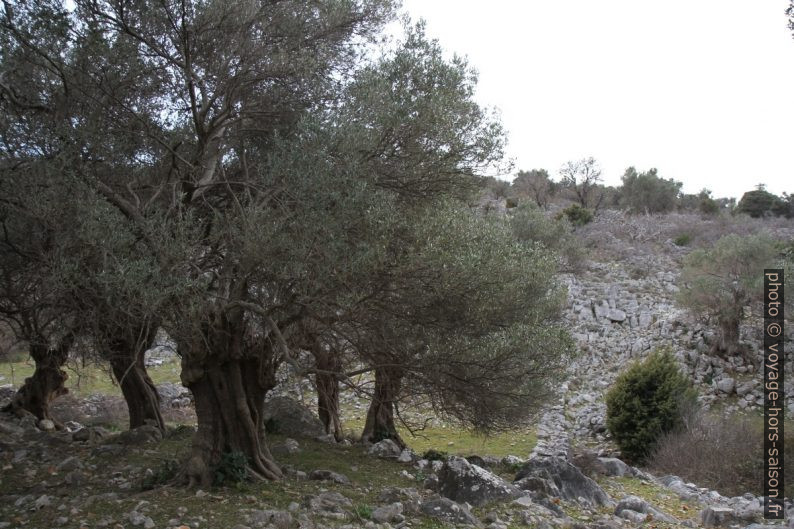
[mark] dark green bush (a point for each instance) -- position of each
(708, 206)
(761, 203)
(435, 455)
(683, 240)
(233, 468)
(577, 215)
(646, 401)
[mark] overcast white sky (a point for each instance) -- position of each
(703, 90)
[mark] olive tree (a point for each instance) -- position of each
(29, 302)
(648, 193)
(535, 184)
(719, 282)
(467, 324)
(494, 341)
(169, 112)
(583, 179)
(276, 186)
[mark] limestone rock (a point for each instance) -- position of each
(286, 416)
(328, 475)
(141, 435)
(386, 449)
(638, 505)
(388, 513)
(447, 510)
(567, 479)
(714, 516)
(462, 481)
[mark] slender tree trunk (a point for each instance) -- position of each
(125, 351)
(47, 382)
(328, 391)
(380, 416)
(229, 380)
(143, 401)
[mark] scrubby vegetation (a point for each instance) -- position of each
(722, 453)
(531, 224)
(701, 447)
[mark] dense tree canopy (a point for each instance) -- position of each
(761, 203)
(536, 185)
(648, 193)
(242, 176)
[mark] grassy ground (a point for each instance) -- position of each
(89, 505)
(222, 507)
(92, 379)
(458, 441)
(88, 379)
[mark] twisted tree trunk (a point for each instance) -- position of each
(229, 379)
(328, 363)
(380, 416)
(140, 394)
(47, 382)
(328, 390)
(125, 351)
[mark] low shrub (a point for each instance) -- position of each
(721, 453)
(638, 272)
(233, 468)
(683, 240)
(646, 401)
(576, 215)
(435, 455)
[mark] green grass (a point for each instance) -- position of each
(465, 443)
(657, 495)
(88, 379)
(222, 507)
(458, 441)
(91, 379)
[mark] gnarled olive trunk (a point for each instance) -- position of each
(143, 401)
(47, 381)
(229, 377)
(380, 416)
(125, 350)
(328, 363)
